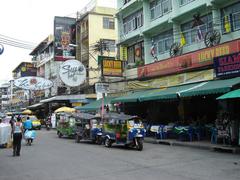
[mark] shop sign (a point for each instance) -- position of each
(112, 67)
(72, 73)
(228, 65)
(33, 83)
(188, 61)
(123, 53)
(102, 87)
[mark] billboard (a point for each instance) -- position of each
(33, 83)
(64, 35)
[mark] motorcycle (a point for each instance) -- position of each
(48, 125)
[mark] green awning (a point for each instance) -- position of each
(95, 105)
(230, 95)
(211, 87)
(166, 94)
(130, 97)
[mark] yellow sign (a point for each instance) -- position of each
(123, 53)
(112, 67)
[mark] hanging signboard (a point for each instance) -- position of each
(112, 67)
(33, 83)
(72, 73)
(102, 87)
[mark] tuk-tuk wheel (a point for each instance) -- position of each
(99, 140)
(77, 139)
(108, 142)
(59, 134)
(139, 145)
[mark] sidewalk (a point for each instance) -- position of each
(194, 144)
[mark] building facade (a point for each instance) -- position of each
(178, 47)
(96, 36)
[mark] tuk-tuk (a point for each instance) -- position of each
(88, 127)
(65, 125)
(123, 129)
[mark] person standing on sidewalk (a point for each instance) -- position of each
(17, 132)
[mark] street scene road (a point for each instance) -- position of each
(51, 158)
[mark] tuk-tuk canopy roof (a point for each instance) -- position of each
(84, 115)
(118, 116)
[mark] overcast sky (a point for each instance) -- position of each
(31, 21)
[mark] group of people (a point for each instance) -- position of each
(18, 129)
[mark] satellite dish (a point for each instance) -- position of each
(1, 49)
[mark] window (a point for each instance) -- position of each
(196, 34)
(136, 53)
(185, 2)
(108, 23)
(163, 42)
(230, 18)
(133, 22)
(160, 7)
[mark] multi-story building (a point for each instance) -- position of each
(5, 97)
(96, 36)
(182, 47)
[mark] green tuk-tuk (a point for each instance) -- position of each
(65, 125)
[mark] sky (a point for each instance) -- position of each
(31, 21)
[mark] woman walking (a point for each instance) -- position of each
(17, 132)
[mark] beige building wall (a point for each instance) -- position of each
(97, 32)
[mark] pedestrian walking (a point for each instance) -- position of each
(17, 132)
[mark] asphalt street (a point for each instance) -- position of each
(51, 158)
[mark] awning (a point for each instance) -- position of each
(130, 97)
(230, 95)
(95, 105)
(167, 93)
(35, 105)
(64, 98)
(212, 87)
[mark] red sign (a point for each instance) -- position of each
(201, 58)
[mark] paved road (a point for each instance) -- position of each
(51, 158)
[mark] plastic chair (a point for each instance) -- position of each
(214, 133)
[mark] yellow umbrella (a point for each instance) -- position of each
(27, 111)
(65, 109)
(9, 113)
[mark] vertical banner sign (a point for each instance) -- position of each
(64, 35)
(123, 53)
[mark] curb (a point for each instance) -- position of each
(233, 150)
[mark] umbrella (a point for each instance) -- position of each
(27, 111)
(9, 113)
(65, 109)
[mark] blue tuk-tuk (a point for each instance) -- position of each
(123, 129)
(88, 127)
